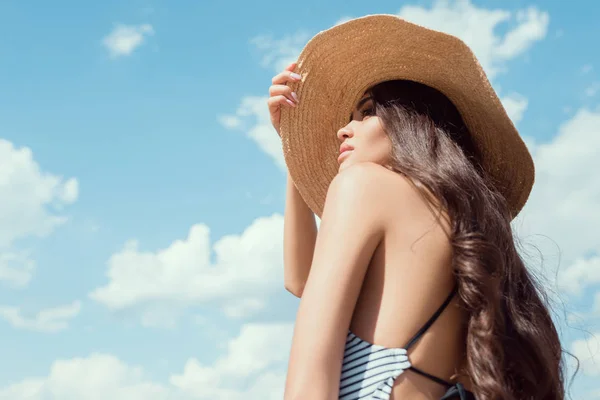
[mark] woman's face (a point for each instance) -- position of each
(363, 138)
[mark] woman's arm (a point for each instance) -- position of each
(299, 236)
(351, 229)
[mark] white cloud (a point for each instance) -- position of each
(27, 195)
(255, 111)
(160, 316)
(253, 368)
(239, 308)
(69, 191)
(16, 269)
(248, 267)
(97, 377)
(278, 54)
(477, 27)
(230, 121)
(50, 320)
(30, 201)
(561, 217)
(583, 272)
(515, 106)
(588, 353)
(260, 352)
(124, 39)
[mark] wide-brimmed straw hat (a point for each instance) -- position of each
(339, 64)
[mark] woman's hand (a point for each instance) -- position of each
(281, 95)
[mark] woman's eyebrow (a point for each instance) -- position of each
(363, 101)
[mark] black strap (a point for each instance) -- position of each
(458, 391)
(433, 378)
(453, 389)
(432, 319)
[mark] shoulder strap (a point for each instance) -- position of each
(432, 319)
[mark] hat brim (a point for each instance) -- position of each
(338, 65)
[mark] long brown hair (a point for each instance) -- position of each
(513, 349)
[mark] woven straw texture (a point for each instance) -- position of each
(339, 64)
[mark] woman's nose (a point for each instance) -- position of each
(345, 133)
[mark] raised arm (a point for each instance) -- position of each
(300, 230)
(351, 229)
(299, 236)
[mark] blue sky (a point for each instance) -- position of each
(142, 188)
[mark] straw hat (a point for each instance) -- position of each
(339, 64)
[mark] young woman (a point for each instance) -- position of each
(412, 288)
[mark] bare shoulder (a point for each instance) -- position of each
(357, 190)
(379, 190)
(368, 180)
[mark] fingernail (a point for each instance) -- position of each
(295, 76)
(291, 103)
(295, 96)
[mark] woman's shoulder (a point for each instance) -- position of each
(386, 194)
(378, 183)
(366, 177)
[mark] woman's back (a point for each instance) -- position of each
(408, 279)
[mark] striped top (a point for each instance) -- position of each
(369, 370)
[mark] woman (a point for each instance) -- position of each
(413, 287)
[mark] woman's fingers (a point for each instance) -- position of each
(277, 90)
(281, 95)
(285, 77)
(275, 101)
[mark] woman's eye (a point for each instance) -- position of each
(367, 111)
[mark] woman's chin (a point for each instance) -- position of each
(344, 164)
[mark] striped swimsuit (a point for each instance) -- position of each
(369, 370)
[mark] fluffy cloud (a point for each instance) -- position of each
(252, 369)
(124, 39)
(230, 121)
(278, 54)
(30, 205)
(582, 273)
(260, 352)
(16, 269)
(50, 320)
(478, 28)
(97, 377)
(252, 117)
(515, 106)
(248, 268)
(563, 206)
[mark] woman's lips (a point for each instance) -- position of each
(343, 154)
(344, 147)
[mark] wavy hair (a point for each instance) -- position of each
(513, 349)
